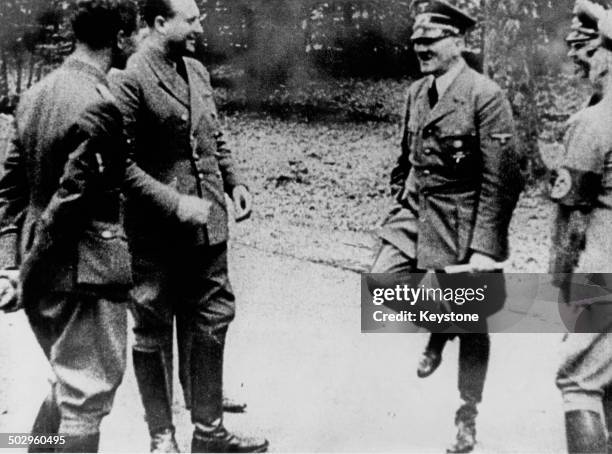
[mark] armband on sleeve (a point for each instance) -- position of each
(575, 188)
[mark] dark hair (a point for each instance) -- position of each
(97, 22)
(153, 8)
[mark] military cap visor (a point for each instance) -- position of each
(439, 20)
(577, 36)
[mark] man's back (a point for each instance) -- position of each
(64, 109)
(62, 175)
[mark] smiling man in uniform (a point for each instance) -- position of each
(457, 182)
(581, 238)
(180, 251)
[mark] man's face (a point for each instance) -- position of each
(182, 30)
(600, 63)
(581, 53)
(436, 56)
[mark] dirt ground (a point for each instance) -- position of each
(312, 382)
(295, 354)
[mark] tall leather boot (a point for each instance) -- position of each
(230, 405)
(465, 420)
(47, 422)
(151, 375)
(206, 406)
(473, 364)
(474, 352)
(607, 405)
(585, 432)
(80, 443)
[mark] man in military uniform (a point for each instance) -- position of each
(456, 181)
(60, 226)
(180, 252)
(581, 238)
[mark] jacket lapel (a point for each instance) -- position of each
(169, 79)
(421, 104)
(197, 89)
(451, 99)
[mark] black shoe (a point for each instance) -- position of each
(232, 406)
(429, 363)
(223, 441)
(164, 442)
(466, 438)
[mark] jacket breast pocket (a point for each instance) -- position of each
(459, 153)
(104, 258)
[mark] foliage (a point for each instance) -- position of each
(337, 99)
(33, 38)
(516, 34)
(361, 38)
(285, 50)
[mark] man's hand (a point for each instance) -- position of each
(193, 210)
(483, 263)
(243, 203)
(9, 290)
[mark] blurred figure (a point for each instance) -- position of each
(180, 245)
(60, 226)
(581, 240)
(457, 182)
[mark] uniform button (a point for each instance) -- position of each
(426, 172)
(184, 117)
(427, 151)
(201, 175)
(107, 234)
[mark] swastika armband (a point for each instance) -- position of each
(575, 188)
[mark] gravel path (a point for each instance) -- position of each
(313, 383)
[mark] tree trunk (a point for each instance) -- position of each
(4, 82)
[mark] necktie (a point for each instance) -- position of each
(181, 69)
(432, 94)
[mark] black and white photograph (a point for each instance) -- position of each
(306, 226)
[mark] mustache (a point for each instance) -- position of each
(426, 55)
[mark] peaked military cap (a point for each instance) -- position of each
(591, 20)
(583, 28)
(439, 20)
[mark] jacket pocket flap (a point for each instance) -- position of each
(103, 257)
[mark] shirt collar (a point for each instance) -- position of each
(83, 66)
(446, 79)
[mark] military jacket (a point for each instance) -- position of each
(177, 147)
(60, 191)
(457, 179)
(583, 192)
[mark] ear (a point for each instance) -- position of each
(159, 24)
(121, 38)
(460, 43)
